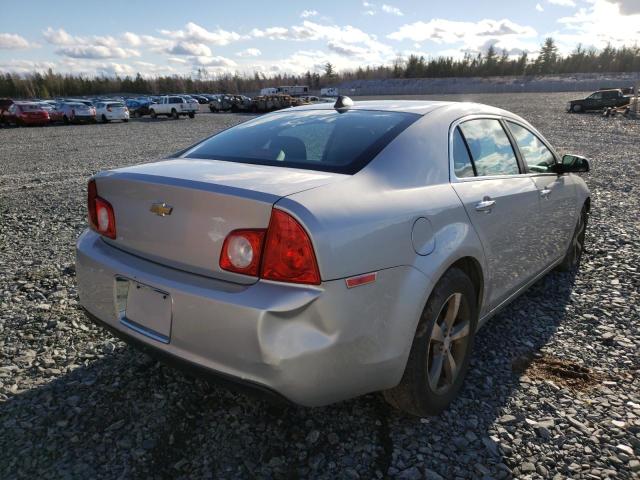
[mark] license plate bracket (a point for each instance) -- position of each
(144, 309)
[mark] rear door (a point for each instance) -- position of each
(500, 201)
(557, 215)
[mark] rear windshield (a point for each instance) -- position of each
(323, 140)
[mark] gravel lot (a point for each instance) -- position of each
(553, 390)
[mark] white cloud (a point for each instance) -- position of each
(563, 3)
(178, 60)
(25, 66)
(308, 13)
(194, 33)
(593, 26)
(392, 10)
(272, 33)
(59, 37)
(539, 7)
(210, 61)
(190, 48)
(13, 41)
(249, 52)
(97, 51)
(471, 34)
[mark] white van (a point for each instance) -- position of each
(269, 91)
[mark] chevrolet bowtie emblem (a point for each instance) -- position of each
(161, 209)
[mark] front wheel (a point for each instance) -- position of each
(174, 114)
(104, 119)
(153, 114)
(65, 119)
(441, 349)
(576, 108)
(572, 258)
(192, 115)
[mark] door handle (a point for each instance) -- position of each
(485, 205)
(545, 192)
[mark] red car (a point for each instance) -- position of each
(25, 113)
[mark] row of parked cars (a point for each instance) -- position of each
(44, 112)
(104, 110)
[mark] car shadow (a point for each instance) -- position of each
(125, 415)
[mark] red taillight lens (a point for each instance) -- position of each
(101, 216)
(283, 252)
(288, 252)
(241, 252)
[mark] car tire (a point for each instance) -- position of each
(174, 114)
(125, 120)
(576, 108)
(104, 119)
(444, 337)
(153, 114)
(192, 115)
(136, 114)
(572, 258)
(65, 119)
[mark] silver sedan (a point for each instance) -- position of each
(327, 251)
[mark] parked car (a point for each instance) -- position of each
(173, 106)
(50, 108)
(599, 100)
(333, 250)
(76, 112)
(24, 114)
(201, 99)
(138, 108)
(108, 111)
(5, 103)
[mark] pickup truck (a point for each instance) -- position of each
(173, 106)
(599, 100)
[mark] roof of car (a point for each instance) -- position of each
(420, 107)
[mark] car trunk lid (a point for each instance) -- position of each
(179, 212)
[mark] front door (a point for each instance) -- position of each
(557, 216)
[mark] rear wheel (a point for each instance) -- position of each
(174, 114)
(125, 120)
(192, 115)
(439, 357)
(104, 119)
(65, 119)
(153, 114)
(572, 258)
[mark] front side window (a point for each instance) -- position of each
(537, 156)
(490, 147)
(323, 140)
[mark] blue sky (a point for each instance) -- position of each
(168, 37)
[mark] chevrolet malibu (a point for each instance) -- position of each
(327, 251)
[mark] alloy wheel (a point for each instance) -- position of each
(448, 344)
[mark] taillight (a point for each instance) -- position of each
(288, 252)
(241, 252)
(101, 216)
(283, 252)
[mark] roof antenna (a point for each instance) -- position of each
(343, 103)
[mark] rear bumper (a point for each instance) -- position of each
(311, 345)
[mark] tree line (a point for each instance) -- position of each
(491, 63)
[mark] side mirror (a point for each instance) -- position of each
(573, 164)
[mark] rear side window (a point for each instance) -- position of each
(323, 140)
(535, 153)
(176, 100)
(461, 160)
(490, 147)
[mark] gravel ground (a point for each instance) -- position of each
(553, 391)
